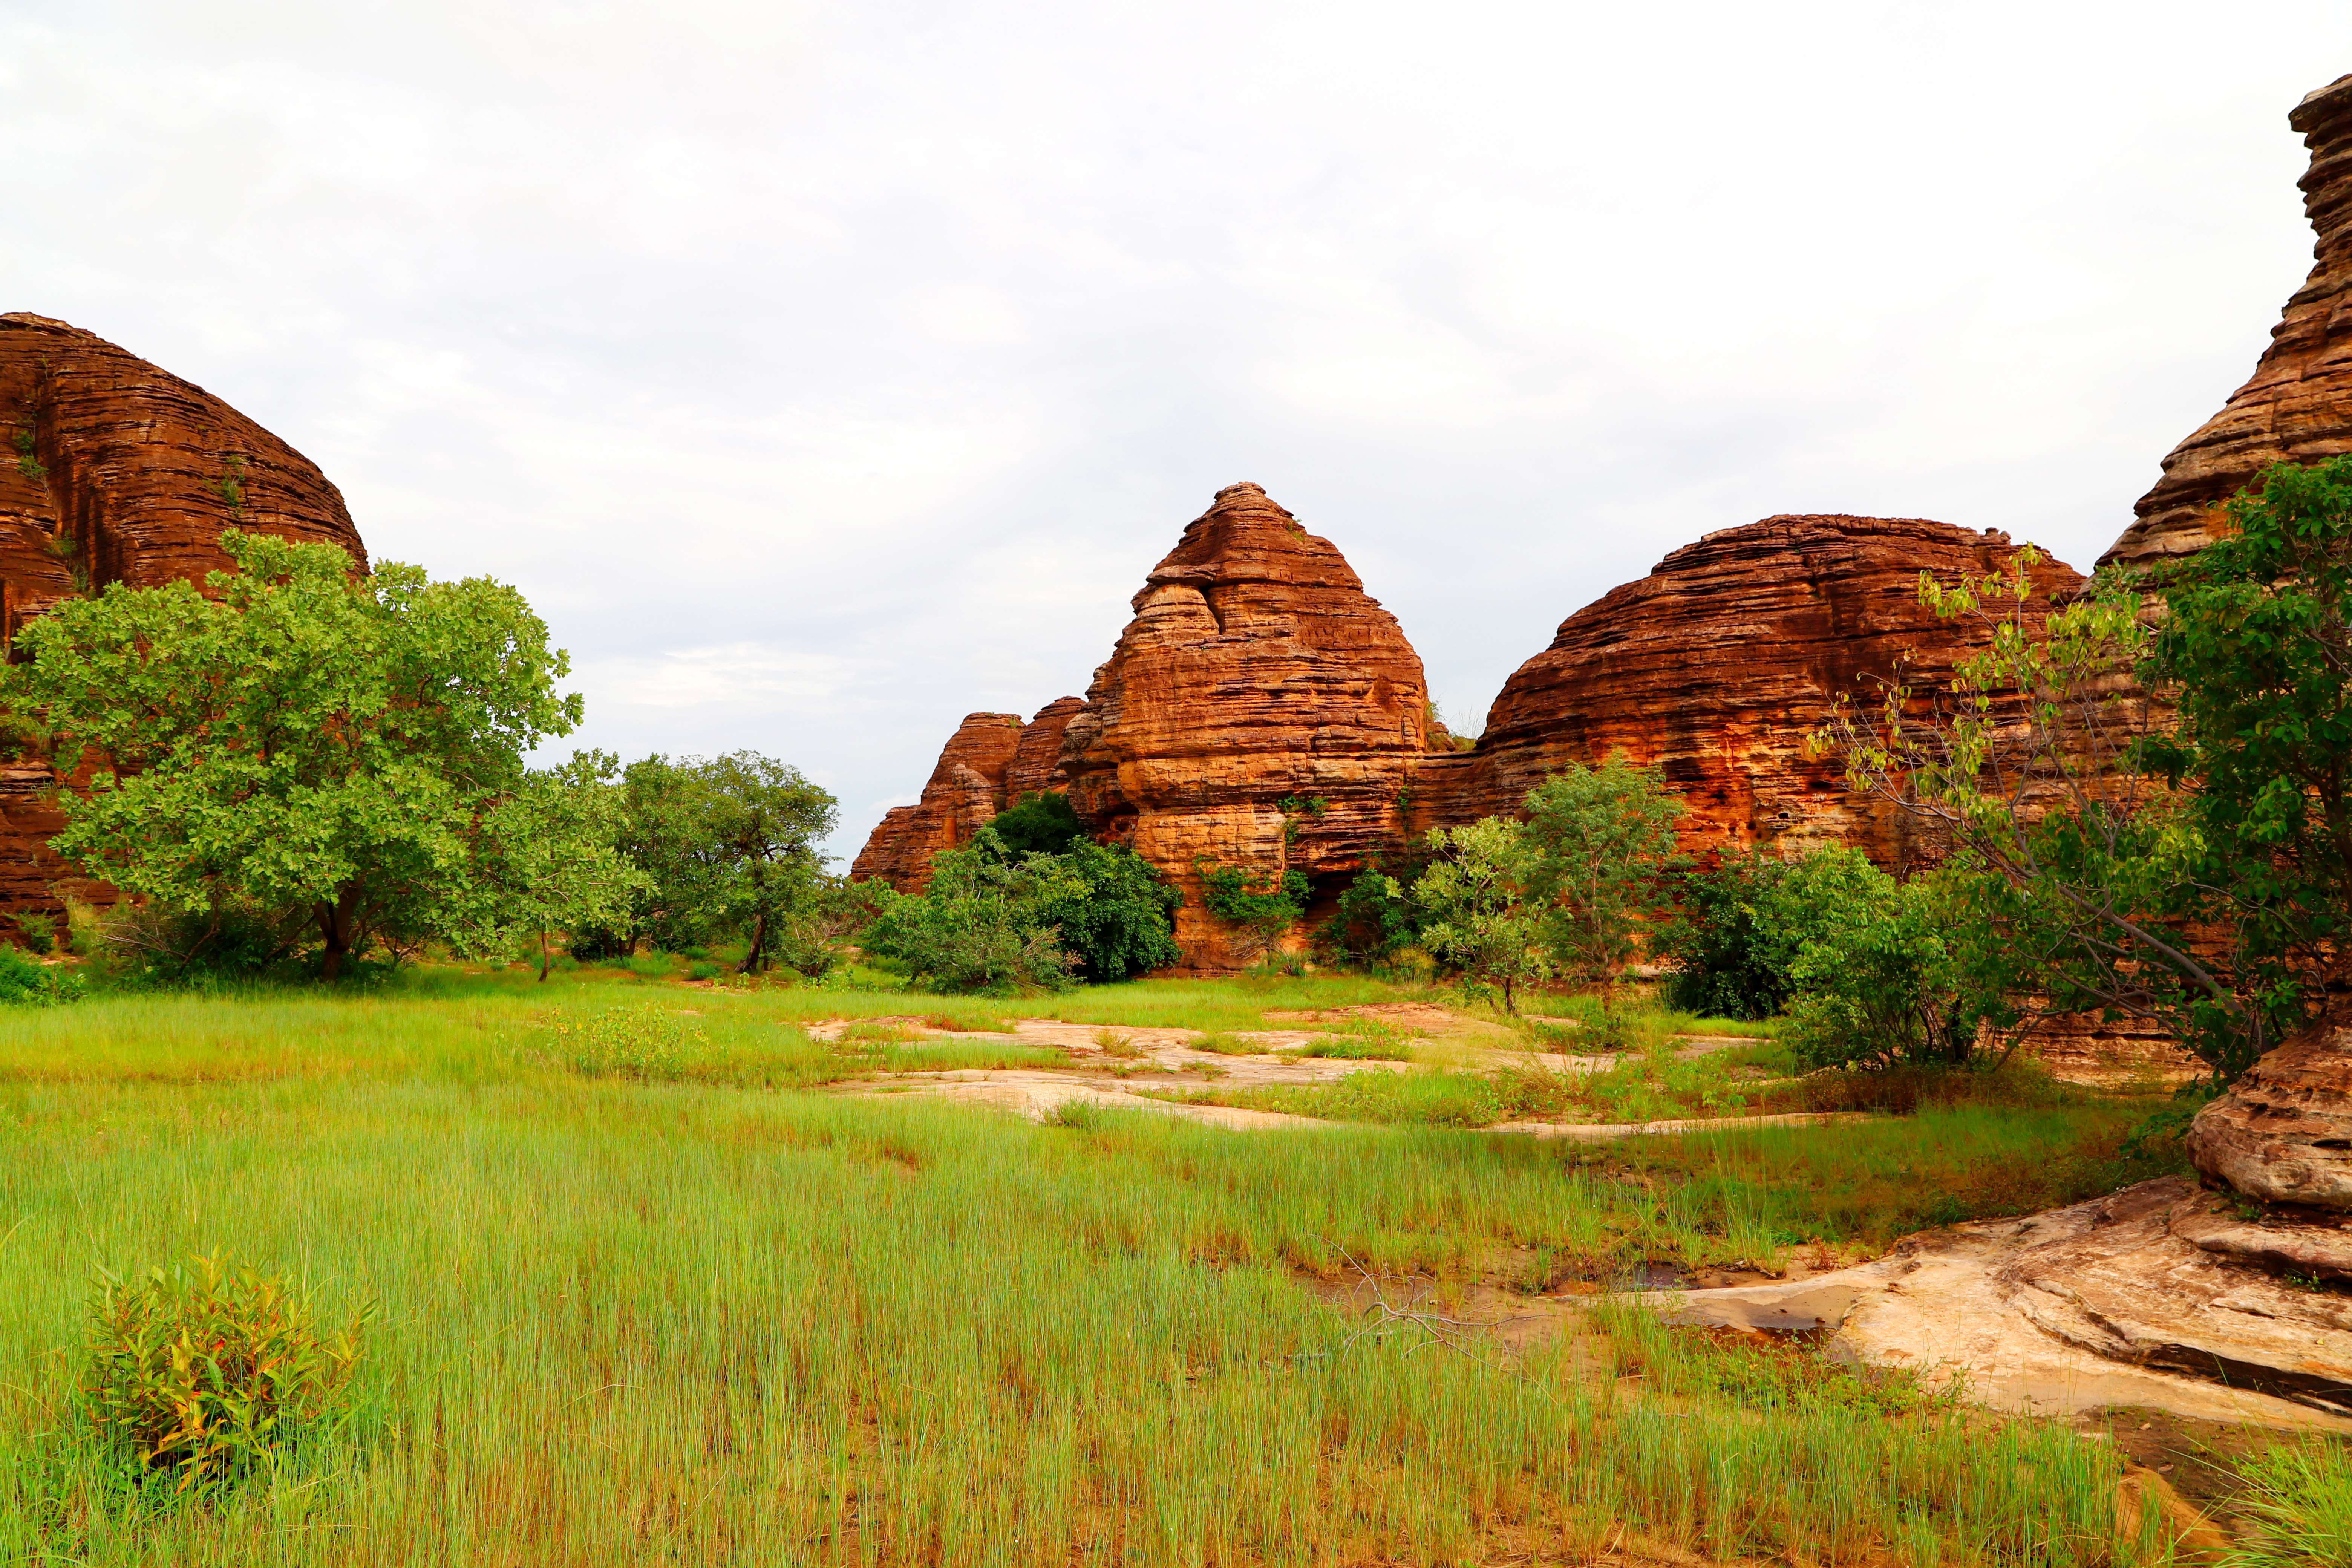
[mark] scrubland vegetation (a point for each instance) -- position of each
(617, 1300)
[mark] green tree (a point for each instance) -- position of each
(1480, 919)
(307, 741)
(982, 924)
(727, 847)
(1117, 918)
(2144, 806)
(1600, 846)
(1040, 825)
(2254, 648)
(1735, 938)
(1880, 972)
(555, 857)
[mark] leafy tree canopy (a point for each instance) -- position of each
(1039, 825)
(729, 848)
(313, 743)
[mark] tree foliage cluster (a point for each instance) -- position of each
(1564, 892)
(997, 918)
(303, 764)
(2143, 789)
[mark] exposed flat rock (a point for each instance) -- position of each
(2109, 1302)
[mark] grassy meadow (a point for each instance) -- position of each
(650, 1293)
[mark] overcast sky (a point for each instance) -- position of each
(824, 373)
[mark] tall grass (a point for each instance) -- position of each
(628, 1321)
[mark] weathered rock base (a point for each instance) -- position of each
(2284, 1133)
(2162, 1295)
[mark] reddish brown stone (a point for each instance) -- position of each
(2298, 405)
(1256, 670)
(131, 476)
(2284, 1133)
(1036, 767)
(963, 794)
(1717, 666)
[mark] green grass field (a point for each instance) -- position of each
(649, 1295)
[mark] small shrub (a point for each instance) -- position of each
(1224, 1043)
(640, 1043)
(1112, 1042)
(25, 982)
(701, 970)
(1358, 1048)
(39, 931)
(200, 1374)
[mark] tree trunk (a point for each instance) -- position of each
(1508, 1005)
(751, 964)
(335, 932)
(542, 955)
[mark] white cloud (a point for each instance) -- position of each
(825, 372)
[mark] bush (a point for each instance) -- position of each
(1734, 946)
(1040, 825)
(1375, 918)
(982, 924)
(1119, 921)
(199, 1374)
(27, 983)
(1270, 907)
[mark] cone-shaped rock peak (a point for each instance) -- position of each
(2298, 404)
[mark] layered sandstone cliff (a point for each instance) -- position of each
(1260, 712)
(116, 471)
(2298, 405)
(1715, 668)
(989, 763)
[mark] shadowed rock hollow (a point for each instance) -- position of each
(117, 472)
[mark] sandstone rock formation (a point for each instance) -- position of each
(118, 471)
(2298, 405)
(1256, 671)
(1037, 766)
(962, 795)
(2284, 1133)
(990, 761)
(1717, 665)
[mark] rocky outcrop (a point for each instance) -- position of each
(1037, 766)
(2157, 1295)
(2298, 405)
(1715, 668)
(963, 793)
(1260, 712)
(2284, 1133)
(116, 471)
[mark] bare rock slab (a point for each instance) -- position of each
(2152, 1297)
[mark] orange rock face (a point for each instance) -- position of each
(1717, 666)
(1256, 671)
(989, 762)
(962, 795)
(1037, 766)
(116, 471)
(2298, 405)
